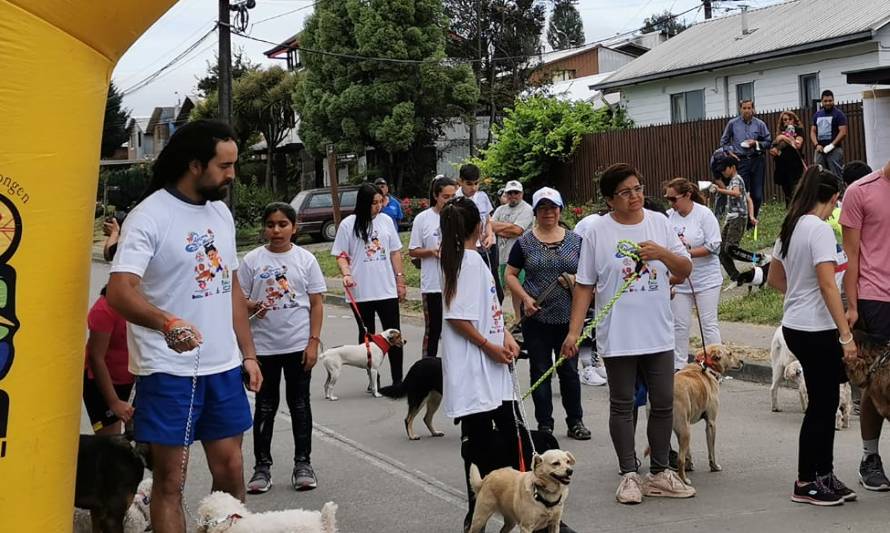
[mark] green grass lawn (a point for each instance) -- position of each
(412, 275)
(759, 307)
(769, 223)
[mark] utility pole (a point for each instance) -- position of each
(708, 12)
(225, 77)
(335, 178)
(477, 71)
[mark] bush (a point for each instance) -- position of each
(126, 186)
(411, 207)
(573, 212)
(250, 201)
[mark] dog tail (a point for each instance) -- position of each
(394, 391)
(328, 518)
(475, 479)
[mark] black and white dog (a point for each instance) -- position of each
(756, 276)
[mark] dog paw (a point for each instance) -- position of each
(716, 468)
(776, 410)
(438, 434)
(687, 481)
(333, 398)
(377, 394)
(415, 437)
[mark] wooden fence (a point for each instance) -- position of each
(667, 151)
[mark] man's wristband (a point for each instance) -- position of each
(168, 324)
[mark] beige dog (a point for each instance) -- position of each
(220, 512)
(697, 397)
(533, 500)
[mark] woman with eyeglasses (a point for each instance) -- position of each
(637, 336)
(786, 153)
(699, 231)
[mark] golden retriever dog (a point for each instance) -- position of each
(697, 397)
(533, 500)
(871, 370)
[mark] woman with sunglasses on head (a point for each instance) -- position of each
(699, 231)
(637, 335)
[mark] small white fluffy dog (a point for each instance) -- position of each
(357, 355)
(786, 365)
(137, 519)
(220, 512)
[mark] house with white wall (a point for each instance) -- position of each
(782, 57)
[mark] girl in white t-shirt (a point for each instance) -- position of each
(424, 247)
(476, 347)
(368, 252)
(637, 336)
(699, 231)
(815, 329)
(285, 289)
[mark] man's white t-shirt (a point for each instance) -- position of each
(812, 242)
(483, 204)
(282, 281)
(185, 255)
(641, 321)
(583, 225)
(369, 261)
(472, 381)
(425, 234)
(699, 228)
(519, 215)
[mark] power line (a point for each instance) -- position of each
(292, 11)
(154, 75)
(160, 56)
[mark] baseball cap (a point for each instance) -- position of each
(546, 193)
(380, 181)
(513, 185)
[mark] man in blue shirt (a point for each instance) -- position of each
(747, 139)
(391, 204)
(828, 131)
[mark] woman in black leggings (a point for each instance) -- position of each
(815, 330)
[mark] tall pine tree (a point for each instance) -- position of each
(565, 29)
(114, 130)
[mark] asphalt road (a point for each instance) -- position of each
(384, 483)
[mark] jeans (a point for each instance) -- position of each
(832, 161)
(683, 305)
(821, 358)
(733, 231)
(432, 323)
(541, 342)
(657, 371)
(297, 396)
(752, 171)
(388, 311)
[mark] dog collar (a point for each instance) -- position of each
(381, 343)
(546, 503)
(708, 370)
(231, 519)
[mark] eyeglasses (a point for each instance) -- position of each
(633, 191)
(672, 199)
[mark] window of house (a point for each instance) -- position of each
(562, 75)
(688, 106)
(744, 91)
(809, 91)
(293, 59)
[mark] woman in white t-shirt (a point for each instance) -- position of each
(424, 246)
(476, 348)
(285, 289)
(637, 336)
(815, 329)
(368, 252)
(699, 231)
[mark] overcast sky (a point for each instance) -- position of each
(188, 20)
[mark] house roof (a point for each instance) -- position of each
(160, 114)
(290, 43)
(578, 88)
(783, 29)
(141, 122)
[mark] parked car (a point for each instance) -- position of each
(315, 210)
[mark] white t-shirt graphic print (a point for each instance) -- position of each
(369, 261)
(282, 281)
(425, 234)
(185, 256)
(641, 321)
(472, 381)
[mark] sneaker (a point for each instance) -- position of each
(589, 376)
(815, 493)
(838, 487)
(261, 481)
(303, 477)
(579, 431)
(629, 490)
(667, 484)
(871, 474)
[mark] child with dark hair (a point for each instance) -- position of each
(739, 212)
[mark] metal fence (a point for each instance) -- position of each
(667, 151)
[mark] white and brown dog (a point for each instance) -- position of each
(220, 512)
(368, 357)
(533, 500)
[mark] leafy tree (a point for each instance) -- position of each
(565, 29)
(665, 22)
(396, 108)
(540, 131)
(114, 129)
(241, 65)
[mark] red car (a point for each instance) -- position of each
(315, 210)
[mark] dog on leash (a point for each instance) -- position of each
(108, 475)
(220, 512)
(137, 519)
(532, 500)
(697, 397)
(358, 355)
(422, 386)
(871, 370)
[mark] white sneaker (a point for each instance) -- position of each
(589, 376)
(629, 490)
(601, 370)
(667, 484)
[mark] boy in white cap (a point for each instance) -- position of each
(509, 222)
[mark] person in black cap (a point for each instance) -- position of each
(391, 205)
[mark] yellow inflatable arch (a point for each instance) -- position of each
(56, 58)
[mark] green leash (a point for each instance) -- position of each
(627, 249)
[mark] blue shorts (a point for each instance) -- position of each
(162, 404)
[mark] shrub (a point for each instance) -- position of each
(250, 200)
(412, 206)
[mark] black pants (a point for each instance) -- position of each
(432, 322)
(821, 358)
(541, 342)
(752, 171)
(490, 256)
(297, 396)
(388, 311)
(733, 231)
